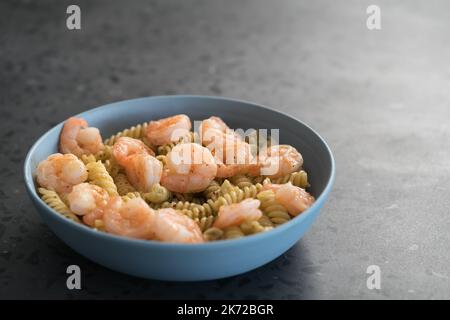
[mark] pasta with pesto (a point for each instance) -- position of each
(134, 174)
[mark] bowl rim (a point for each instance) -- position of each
(32, 190)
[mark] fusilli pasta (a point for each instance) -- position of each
(99, 176)
(122, 184)
(299, 179)
(270, 207)
(157, 194)
(136, 132)
(213, 234)
(52, 199)
(233, 233)
(213, 190)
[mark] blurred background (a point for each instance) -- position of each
(380, 99)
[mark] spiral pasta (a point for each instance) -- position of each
(261, 179)
(241, 181)
(157, 194)
(161, 158)
(122, 184)
(213, 234)
(104, 154)
(52, 199)
(251, 227)
(213, 190)
(112, 167)
(265, 222)
(204, 222)
(88, 158)
(299, 179)
(108, 160)
(131, 195)
(230, 194)
(99, 176)
(270, 207)
(192, 210)
(233, 233)
(136, 132)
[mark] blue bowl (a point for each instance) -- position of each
(188, 262)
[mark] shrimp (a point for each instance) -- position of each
(189, 168)
(278, 161)
(78, 138)
(89, 201)
(168, 225)
(141, 167)
(233, 156)
(215, 126)
(237, 213)
(168, 130)
(125, 147)
(227, 170)
(143, 171)
(60, 172)
(293, 198)
(130, 219)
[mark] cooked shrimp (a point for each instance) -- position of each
(170, 226)
(130, 219)
(293, 198)
(125, 147)
(60, 172)
(278, 161)
(233, 156)
(189, 168)
(89, 201)
(142, 168)
(78, 138)
(215, 126)
(168, 130)
(143, 171)
(227, 170)
(237, 213)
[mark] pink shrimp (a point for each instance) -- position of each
(278, 161)
(168, 130)
(60, 172)
(143, 171)
(125, 147)
(215, 126)
(129, 219)
(232, 154)
(78, 138)
(168, 225)
(237, 213)
(89, 201)
(189, 168)
(293, 198)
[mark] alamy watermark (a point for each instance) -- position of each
(74, 279)
(73, 21)
(374, 280)
(373, 21)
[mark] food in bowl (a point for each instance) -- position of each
(162, 181)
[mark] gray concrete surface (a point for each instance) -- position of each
(380, 98)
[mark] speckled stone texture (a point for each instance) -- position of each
(380, 98)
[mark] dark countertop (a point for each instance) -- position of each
(380, 98)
